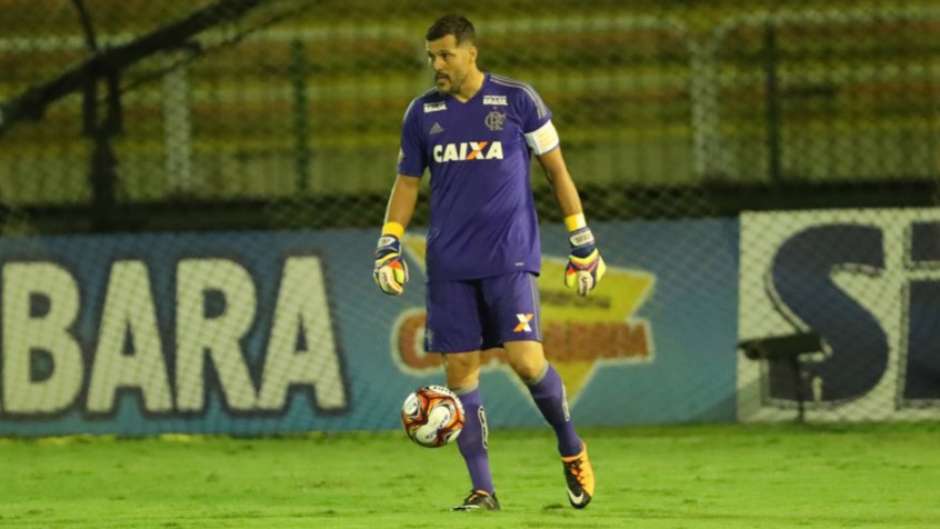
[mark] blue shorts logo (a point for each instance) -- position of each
(523, 325)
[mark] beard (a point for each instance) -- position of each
(446, 83)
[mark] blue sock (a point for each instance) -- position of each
(549, 395)
(472, 441)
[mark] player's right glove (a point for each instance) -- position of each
(390, 271)
(585, 265)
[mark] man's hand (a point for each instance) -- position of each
(390, 272)
(585, 265)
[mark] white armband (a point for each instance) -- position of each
(542, 139)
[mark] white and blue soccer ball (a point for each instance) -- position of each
(432, 416)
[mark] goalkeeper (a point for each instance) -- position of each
(476, 132)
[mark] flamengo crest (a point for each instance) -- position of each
(495, 120)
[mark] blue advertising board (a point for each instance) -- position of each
(251, 333)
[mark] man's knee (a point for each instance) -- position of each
(529, 369)
(527, 359)
(463, 370)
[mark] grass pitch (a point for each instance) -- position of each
(726, 477)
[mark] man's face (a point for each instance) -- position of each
(451, 62)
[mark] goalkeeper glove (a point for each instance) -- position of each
(585, 265)
(390, 271)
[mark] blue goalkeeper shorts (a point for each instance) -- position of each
(477, 314)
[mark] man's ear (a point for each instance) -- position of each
(473, 53)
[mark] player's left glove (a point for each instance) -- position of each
(585, 265)
(390, 271)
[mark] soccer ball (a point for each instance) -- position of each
(432, 416)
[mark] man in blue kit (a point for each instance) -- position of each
(476, 131)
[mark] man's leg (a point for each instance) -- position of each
(528, 361)
(513, 309)
(454, 329)
(463, 377)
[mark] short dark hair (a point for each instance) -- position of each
(456, 25)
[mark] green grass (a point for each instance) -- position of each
(669, 477)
